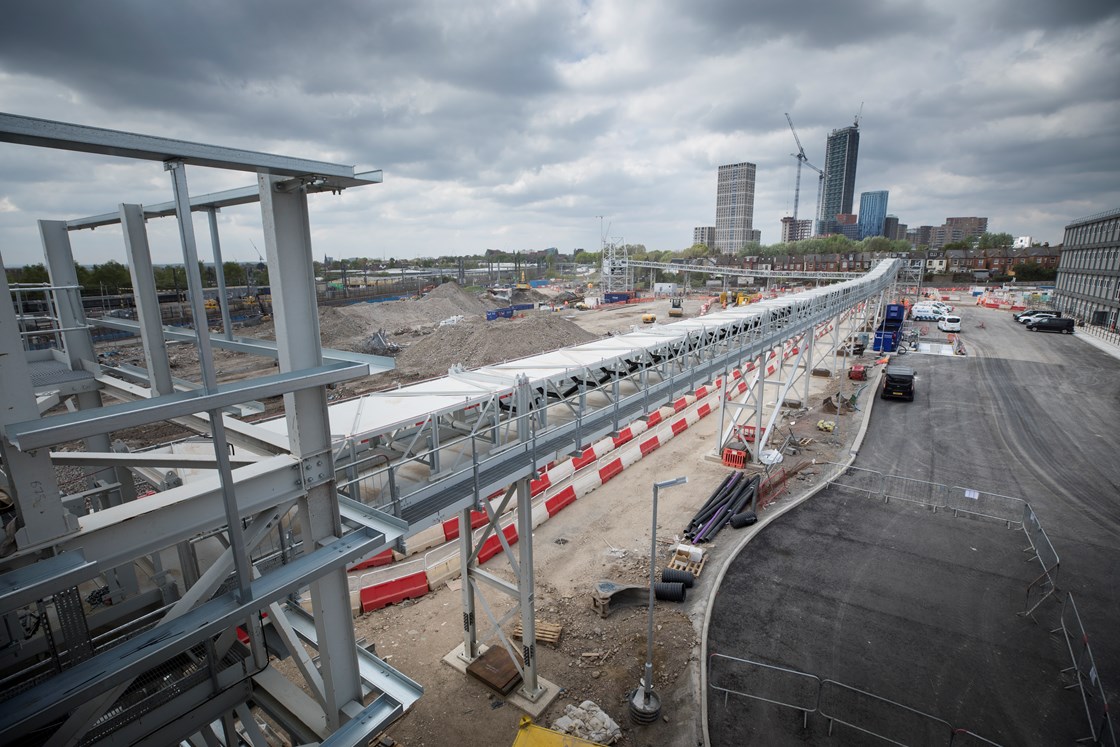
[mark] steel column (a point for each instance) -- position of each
(526, 584)
(287, 233)
(147, 301)
(220, 273)
(185, 222)
(38, 504)
(466, 564)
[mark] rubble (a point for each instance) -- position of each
(588, 721)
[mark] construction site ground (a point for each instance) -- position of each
(602, 536)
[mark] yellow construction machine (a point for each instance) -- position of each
(676, 306)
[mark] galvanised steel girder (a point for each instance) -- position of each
(712, 350)
(249, 345)
(32, 434)
(740, 272)
(206, 202)
(59, 695)
(47, 133)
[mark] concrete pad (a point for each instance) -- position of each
(534, 708)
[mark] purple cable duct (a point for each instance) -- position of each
(700, 537)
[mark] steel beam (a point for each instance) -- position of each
(111, 537)
(47, 133)
(287, 234)
(33, 434)
(252, 346)
(145, 459)
(220, 273)
(42, 704)
(147, 300)
(212, 201)
(31, 477)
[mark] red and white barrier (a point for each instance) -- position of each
(390, 585)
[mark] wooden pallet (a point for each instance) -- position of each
(546, 632)
(681, 562)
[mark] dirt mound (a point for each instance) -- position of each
(451, 291)
(403, 317)
(338, 330)
(528, 296)
(475, 343)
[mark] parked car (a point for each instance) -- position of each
(1051, 324)
(1019, 315)
(898, 383)
(949, 323)
(1026, 318)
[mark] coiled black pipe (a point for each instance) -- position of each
(668, 592)
(713, 506)
(714, 500)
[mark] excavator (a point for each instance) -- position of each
(522, 286)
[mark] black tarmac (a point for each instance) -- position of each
(921, 608)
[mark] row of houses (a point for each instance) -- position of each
(948, 261)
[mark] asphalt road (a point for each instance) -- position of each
(920, 607)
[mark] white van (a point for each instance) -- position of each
(949, 323)
(926, 313)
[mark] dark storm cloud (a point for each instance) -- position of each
(819, 25)
(515, 123)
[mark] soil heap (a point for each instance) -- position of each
(479, 343)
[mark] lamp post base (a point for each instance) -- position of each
(643, 709)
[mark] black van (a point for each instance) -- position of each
(898, 383)
(1051, 324)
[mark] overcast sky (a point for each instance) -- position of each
(514, 125)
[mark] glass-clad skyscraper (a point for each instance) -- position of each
(872, 213)
(841, 153)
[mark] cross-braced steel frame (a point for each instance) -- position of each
(151, 620)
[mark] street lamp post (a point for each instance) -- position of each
(645, 706)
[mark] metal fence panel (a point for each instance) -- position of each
(1083, 668)
(866, 482)
(924, 493)
(880, 717)
(765, 682)
(982, 504)
(1040, 542)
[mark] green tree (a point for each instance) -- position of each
(995, 240)
(28, 274)
(112, 276)
(1031, 272)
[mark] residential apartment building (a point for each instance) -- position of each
(841, 155)
(968, 227)
(796, 230)
(894, 230)
(872, 213)
(704, 235)
(735, 207)
(1088, 284)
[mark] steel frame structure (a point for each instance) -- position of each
(174, 640)
(183, 650)
(432, 452)
(740, 272)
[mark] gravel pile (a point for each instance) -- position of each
(404, 317)
(479, 343)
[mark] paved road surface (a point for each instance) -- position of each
(921, 607)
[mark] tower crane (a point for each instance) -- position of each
(803, 159)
